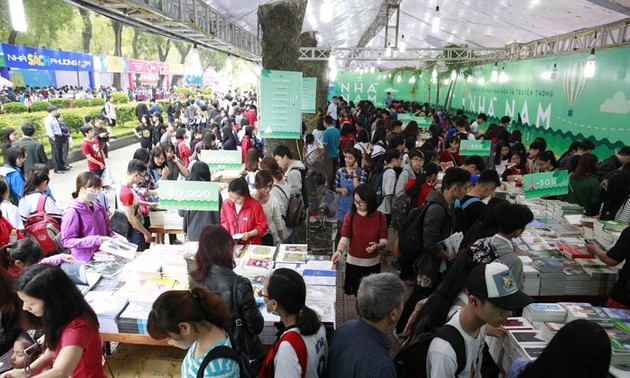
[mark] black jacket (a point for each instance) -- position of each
(220, 281)
(607, 166)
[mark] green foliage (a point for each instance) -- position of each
(97, 101)
(82, 103)
(120, 98)
(38, 106)
(60, 102)
(207, 93)
(72, 117)
(163, 104)
(14, 107)
(186, 91)
(73, 120)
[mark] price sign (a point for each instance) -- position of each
(189, 195)
(222, 160)
(421, 121)
(475, 147)
(554, 183)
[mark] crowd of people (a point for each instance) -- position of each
(389, 202)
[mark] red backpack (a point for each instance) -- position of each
(43, 228)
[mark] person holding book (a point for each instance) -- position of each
(492, 295)
(196, 320)
(580, 349)
(214, 270)
(302, 349)
(619, 296)
(73, 342)
(512, 220)
(242, 215)
(85, 224)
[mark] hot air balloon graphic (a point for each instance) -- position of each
(574, 83)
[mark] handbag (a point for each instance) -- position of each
(253, 363)
(118, 221)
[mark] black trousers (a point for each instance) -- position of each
(57, 152)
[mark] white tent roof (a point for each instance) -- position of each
(476, 23)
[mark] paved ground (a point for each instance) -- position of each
(62, 185)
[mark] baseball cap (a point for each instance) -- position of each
(495, 283)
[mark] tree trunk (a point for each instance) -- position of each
(134, 44)
(86, 33)
(183, 49)
(117, 26)
(319, 70)
(281, 25)
(12, 37)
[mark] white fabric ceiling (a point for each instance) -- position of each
(477, 23)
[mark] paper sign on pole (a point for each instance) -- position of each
(280, 104)
(222, 160)
(189, 195)
(554, 183)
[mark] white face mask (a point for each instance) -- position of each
(91, 197)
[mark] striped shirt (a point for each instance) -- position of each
(219, 367)
(623, 215)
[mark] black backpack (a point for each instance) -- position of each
(403, 204)
(410, 235)
(460, 222)
(411, 361)
(304, 189)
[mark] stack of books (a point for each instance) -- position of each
(257, 258)
(552, 275)
(528, 343)
(602, 279)
(619, 342)
(107, 307)
(577, 282)
(545, 312)
(575, 251)
(607, 232)
(145, 267)
(134, 318)
(292, 256)
(548, 329)
(561, 208)
(584, 311)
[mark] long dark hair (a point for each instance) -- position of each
(199, 171)
(216, 247)
(615, 195)
(497, 155)
(63, 302)
(287, 287)
(25, 250)
(195, 306)
(11, 155)
(379, 136)
(487, 225)
(87, 180)
(8, 299)
(580, 349)
(587, 166)
(157, 152)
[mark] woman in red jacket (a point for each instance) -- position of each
(241, 214)
(246, 143)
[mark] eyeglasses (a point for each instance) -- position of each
(359, 203)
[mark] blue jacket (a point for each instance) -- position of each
(14, 179)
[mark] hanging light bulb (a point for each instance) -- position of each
(388, 50)
(546, 75)
(447, 81)
(589, 70)
(332, 61)
(333, 74)
(435, 26)
(503, 76)
(495, 73)
(412, 79)
(481, 81)
(379, 61)
(554, 72)
(453, 75)
(469, 79)
(372, 69)
(402, 45)
(389, 75)
(434, 75)
(398, 78)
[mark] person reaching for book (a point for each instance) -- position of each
(619, 296)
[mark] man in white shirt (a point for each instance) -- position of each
(474, 127)
(492, 295)
(110, 114)
(332, 110)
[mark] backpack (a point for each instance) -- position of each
(460, 222)
(410, 236)
(298, 345)
(296, 211)
(43, 228)
(304, 189)
(258, 145)
(411, 361)
(376, 182)
(223, 351)
(403, 204)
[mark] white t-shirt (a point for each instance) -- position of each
(388, 187)
(11, 212)
(441, 358)
(286, 361)
(28, 205)
(332, 110)
(474, 128)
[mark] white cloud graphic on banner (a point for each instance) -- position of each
(617, 104)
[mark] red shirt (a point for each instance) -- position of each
(362, 231)
(246, 144)
(184, 153)
(93, 149)
(252, 117)
(424, 191)
(251, 217)
(83, 333)
(447, 156)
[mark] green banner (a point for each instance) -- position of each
(554, 183)
(3, 62)
(189, 195)
(280, 104)
(475, 147)
(309, 95)
(221, 160)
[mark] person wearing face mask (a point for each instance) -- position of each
(85, 224)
